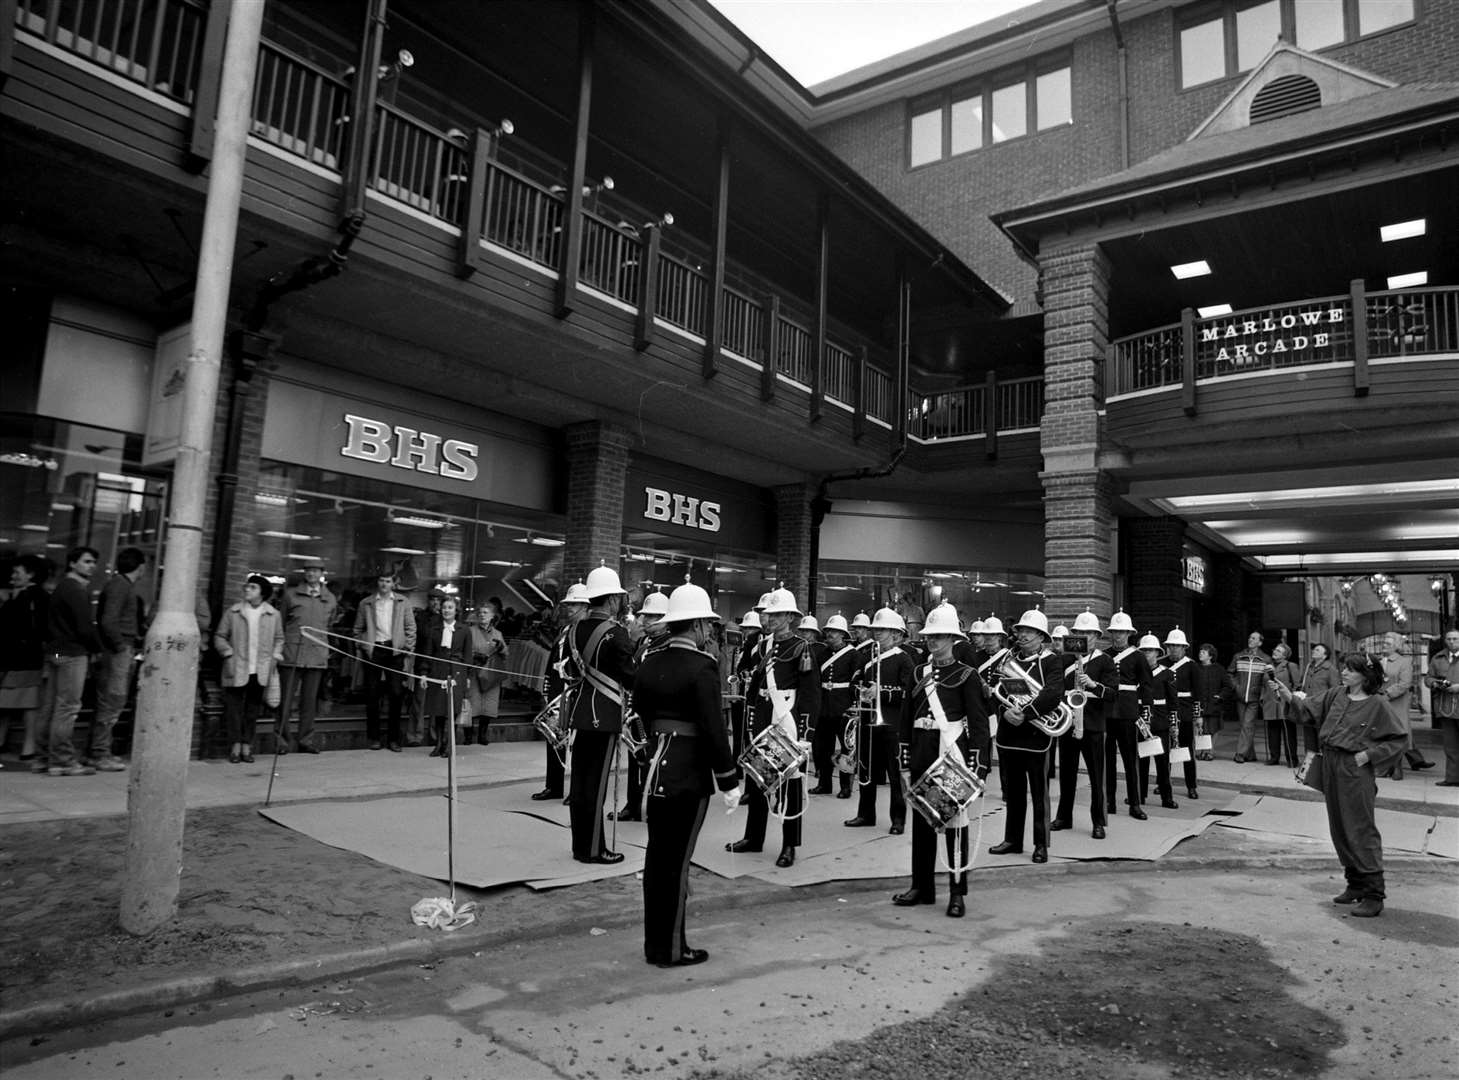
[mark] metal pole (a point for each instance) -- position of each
(156, 789)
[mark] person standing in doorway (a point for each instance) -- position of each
(1443, 681)
(1281, 730)
(1249, 671)
(71, 641)
(311, 607)
(386, 633)
(120, 622)
(250, 639)
(24, 627)
(1319, 676)
(1397, 685)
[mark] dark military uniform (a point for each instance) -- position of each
(1023, 748)
(1183, 681)
(895, 671)
(1090, 747)
(677, 693)
(838, 669)
(1162, 701)
(561, 673)
(749, 656)
(793, 668)
(964, 701)
(633, 806)
(603, 652)
(1128, 696)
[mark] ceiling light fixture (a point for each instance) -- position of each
(1199, 268)
(1214, 310)
(1402, 230)
(1408, 281)
(403, 551)
(419, 522)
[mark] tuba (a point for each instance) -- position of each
(1052, 725)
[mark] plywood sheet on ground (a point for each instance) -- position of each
(1401, 831)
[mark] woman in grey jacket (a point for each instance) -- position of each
(250, 639)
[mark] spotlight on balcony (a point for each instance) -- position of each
(605, 184)
(403, 59)
(665, 220)
(506, 127)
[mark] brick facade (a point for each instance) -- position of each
(1158, 599)
(597, 467)
(793, 539)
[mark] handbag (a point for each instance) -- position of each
(1310, 771)
(272, 695)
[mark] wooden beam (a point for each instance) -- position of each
(714, 313)
(899, 364)
(648, 288)
(7, 39)
(478, 184)
(990, 415)
(858, 393)
(210, 75)
(818, 336)
(1360, 338)
(1188, 361)
(359, 152)
(572, 215)
(772, 348)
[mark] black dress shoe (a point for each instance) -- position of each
(858, 822)
(955, 908)
(844, 794)
(740, 847)
(787, 856)
(1277, 762)
(1006, 848)
(625, 815)
(1190, 793)
(820, 789)
(394, 747)
(690, 957)
(913, 897)
(1423, 765)
(375, 745)
(308, 748)
(1447, 783)
(1059, 824)
(605, 858)
(1138, 814)
(1168, 803)
(1097, 832)
(281, 748)
(545, 794)
(235, 758)
(1040, 854)
(247, 756)
(438, 752)
(897, 828)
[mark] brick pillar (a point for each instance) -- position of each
(249, 396)
(1078, 497)
(1157, 597)
(597, 465)
(793, 539)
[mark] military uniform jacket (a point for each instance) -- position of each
(1048, 671)
(839, 668)
(898, 675)
(1181, 694)
(1097, 665)
(606, 672)
(561, 671)
(676, 692)
(1162, 693)
(964, 698)
(1128, 683)
(795, 669)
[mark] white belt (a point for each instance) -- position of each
(835, 686)
(1129, 686)
(1183, 693)
(1157, 701)
(924, 723)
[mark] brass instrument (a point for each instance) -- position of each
(1054, 724)
(634, 735)
(1077, 698)
(552, 723)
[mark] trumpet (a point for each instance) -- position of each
(1052, 725)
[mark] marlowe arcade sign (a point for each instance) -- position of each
(1271, 335)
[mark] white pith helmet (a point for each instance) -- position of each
(686, 603)
(577, 593)
(810, 623)
(887, 619)
(603, 581)
(655, 603)
(1086, 622)
(751, 621)
(1059, 631)
(760, 603)
(978, 627)
(1120, 621)
(1034, 619)
(837, 622)
(942, 620)
(780, 601)
(1150, 641)
(1177, 637)
(994, 625)
(862, 619)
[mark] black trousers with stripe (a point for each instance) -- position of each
(592, 773)
(674, 822)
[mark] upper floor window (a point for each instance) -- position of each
(972, 117)
(1226, 38)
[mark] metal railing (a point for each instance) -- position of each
(522, 216)
(1402, 323)
(1146, 361)
(611, 257)
(300, 107)
(419, 166)
(155, 43)
(1018, 403)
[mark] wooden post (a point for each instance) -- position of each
(648, 288)
(714, 307)
(468, 250)
(210, 77)
(1188, 361)
(570, 257)
(990, 415)
(818, 342)
(904, 344)
(1360, 338)
(858, 394)
(7, 39)
(359, 155)
(772, 348)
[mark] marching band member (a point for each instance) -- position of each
(1183, 677)
(785, 689)
(1086, 739)
(838, 671)
(561, 673)
(744, 667)
(949, 708)
(1128, 696)
(677, 694)
(1033, 673)
(1162, 702)
(603, 652)
(885, 682)
(995, 644)
(650, 631)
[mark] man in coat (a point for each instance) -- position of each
(309, 606)
(385, 631)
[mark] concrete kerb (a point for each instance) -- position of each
(47, 1016)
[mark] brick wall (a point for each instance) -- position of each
(597, 465)
(1078, 518)
(1157, 597)
(793, 539)
(241, 530)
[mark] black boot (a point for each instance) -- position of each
(482, 736)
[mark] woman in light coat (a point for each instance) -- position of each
(489, 654)
(250, 639)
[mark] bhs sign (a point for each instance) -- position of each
(685, 510)
(406, 448)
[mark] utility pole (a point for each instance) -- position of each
(156, 789)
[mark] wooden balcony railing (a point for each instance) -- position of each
(154, 43)
(419, 166)
(299, 107)
(522, 216)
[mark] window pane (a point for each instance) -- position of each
(1319, 23)
(1257, 30)
(1202, 53)
(926, 137)
(1375, 15)
(967, 125)
(1010, 112)
(1054, 103)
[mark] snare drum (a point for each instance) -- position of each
(945, 791)
(772, 758)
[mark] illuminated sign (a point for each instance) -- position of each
(1193, 572)
(407, 448)
(677, 509)
(30, 461)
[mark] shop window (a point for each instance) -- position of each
(971, 118)
(849, 587)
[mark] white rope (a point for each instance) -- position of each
(313, 636)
